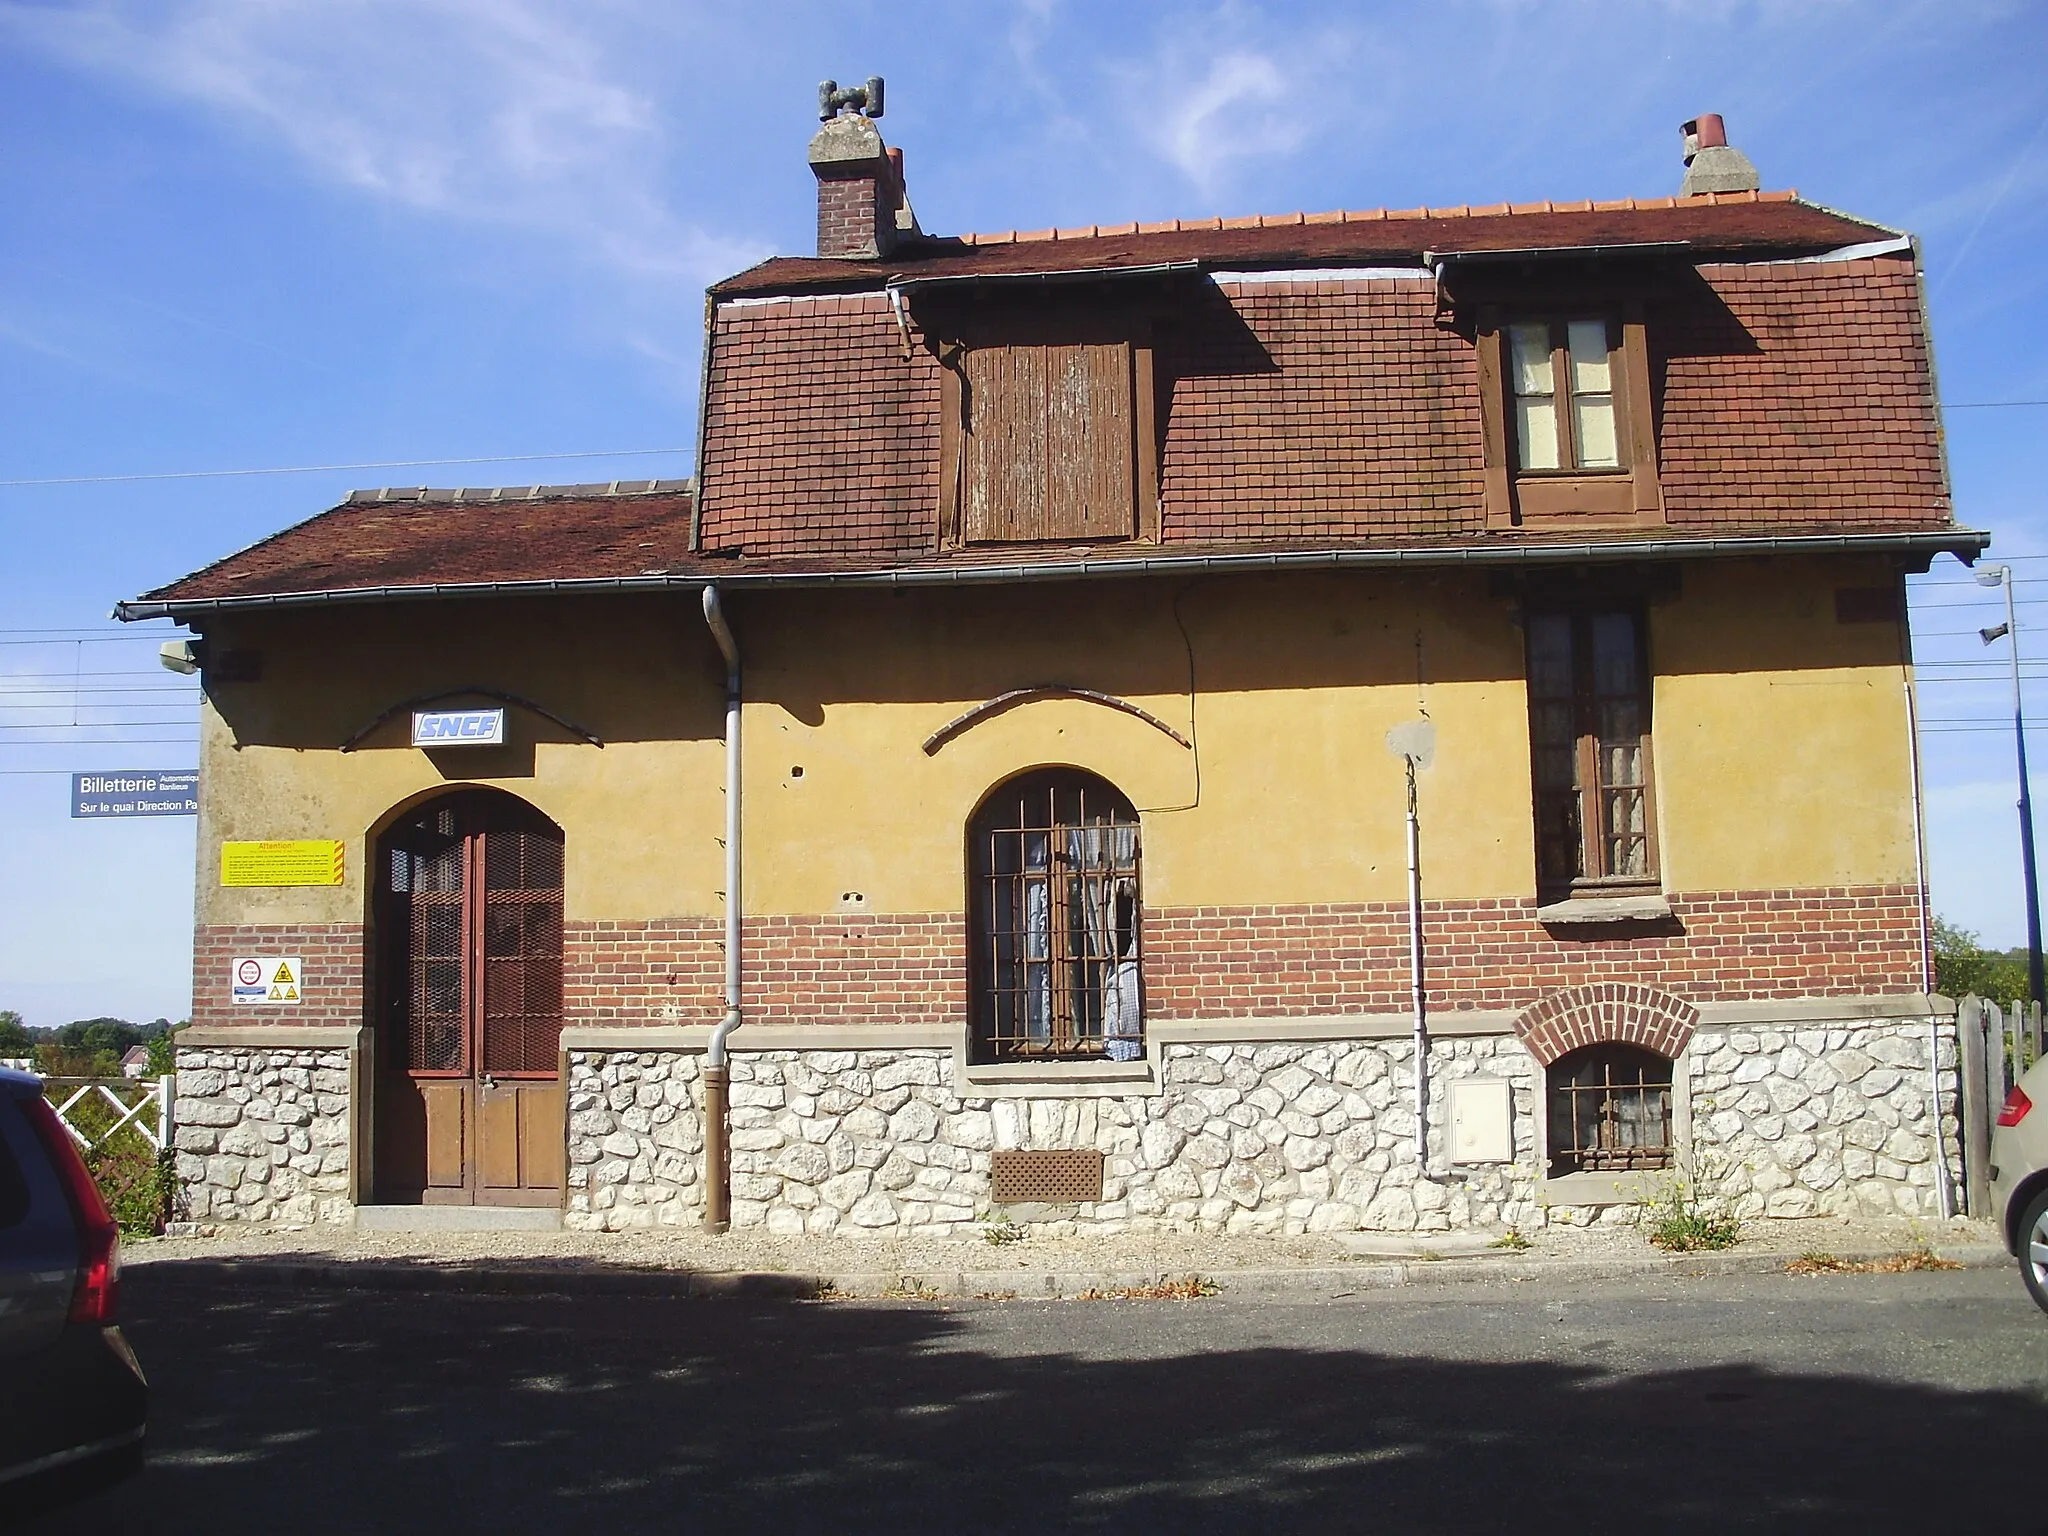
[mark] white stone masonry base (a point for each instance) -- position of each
(1243, 1137)
(262, 1135)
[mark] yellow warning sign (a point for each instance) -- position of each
(304, 861)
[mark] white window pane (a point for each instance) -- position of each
(1587, 342)
(1532, 371)
(1536, 432)
(1594, 419)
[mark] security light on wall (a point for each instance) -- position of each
(179, 656)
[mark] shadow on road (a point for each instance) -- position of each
(320, 1412)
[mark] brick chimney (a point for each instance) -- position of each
(1710, 164)
(863, 211)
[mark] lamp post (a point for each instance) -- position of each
(2001, 576)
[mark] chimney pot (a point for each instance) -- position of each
(1706, 131)
(1711, 164)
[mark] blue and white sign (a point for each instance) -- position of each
(135, 792)
(458, 727)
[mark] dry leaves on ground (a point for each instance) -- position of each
(1892, 1264)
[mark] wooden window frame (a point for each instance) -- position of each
(1136, 337)
(1626, 496)
(1593, 880)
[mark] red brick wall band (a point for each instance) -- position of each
(1200, 962)
(330, 990)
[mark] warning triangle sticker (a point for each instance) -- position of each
(284, 977)
(285, 994)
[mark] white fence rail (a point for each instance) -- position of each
(150, 1107)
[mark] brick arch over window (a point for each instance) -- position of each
(1586, 1015)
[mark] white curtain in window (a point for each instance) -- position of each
(1106, 857)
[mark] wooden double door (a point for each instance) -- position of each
(469, 1101)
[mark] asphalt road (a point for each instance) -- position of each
(1870, 1403)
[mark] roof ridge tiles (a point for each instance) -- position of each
(1218, 223)
(420, 495)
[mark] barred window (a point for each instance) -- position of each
(1610, 1110)
(1055, 915)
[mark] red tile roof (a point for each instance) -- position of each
(1749, 223)
(407, 538)
(1789, 393)
(330, 559)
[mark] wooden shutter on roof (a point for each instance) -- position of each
(1048, 442)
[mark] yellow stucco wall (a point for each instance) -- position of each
(1781, 734)
(1780, 739)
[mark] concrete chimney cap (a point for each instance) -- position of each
(851, 139)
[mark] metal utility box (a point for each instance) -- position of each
(1482, 1120)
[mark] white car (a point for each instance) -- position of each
(2019, 1176)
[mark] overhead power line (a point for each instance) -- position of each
(324, 469)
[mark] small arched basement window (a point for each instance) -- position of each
(1610, 1110)
(1054, 915)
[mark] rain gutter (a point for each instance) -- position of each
(1964, 543)
(904, 284)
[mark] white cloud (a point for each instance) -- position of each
(1234, 90)
(511, 112)
(1241, 110)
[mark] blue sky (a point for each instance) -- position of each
(271, 233)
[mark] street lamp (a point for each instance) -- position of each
(2001, 576)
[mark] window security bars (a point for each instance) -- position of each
(1057, 955)
(1610, 1111)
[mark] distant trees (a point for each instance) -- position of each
(85, 1047)
(1962, 964)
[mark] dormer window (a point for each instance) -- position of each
(1563, 374)
(1570, 423)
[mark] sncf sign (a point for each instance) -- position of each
(458, 727)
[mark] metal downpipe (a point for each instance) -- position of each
(1417, 997)
(717, 1073)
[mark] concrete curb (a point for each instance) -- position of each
(517, 1278)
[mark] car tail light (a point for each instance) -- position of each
(99, 1237)
(2016, 1106)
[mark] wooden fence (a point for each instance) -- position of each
(1998, 1044)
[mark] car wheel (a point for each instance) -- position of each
(2033, 1246)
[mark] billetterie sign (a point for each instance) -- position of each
(135, 792)
(458, 727)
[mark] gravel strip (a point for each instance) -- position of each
(1029, 1260)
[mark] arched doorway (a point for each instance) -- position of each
(468, 924)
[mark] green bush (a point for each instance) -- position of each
(138, 1183)
(138, 1187)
